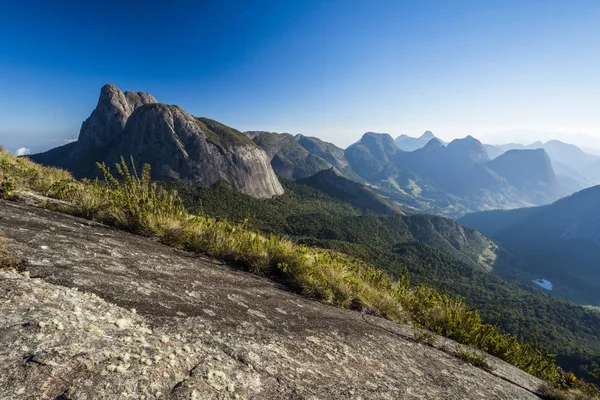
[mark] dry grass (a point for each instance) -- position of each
(549, 392)
(7, 259)
(23, 174)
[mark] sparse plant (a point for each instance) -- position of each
(550, 392)
(7, 186)
(424, 336)
(473, 357)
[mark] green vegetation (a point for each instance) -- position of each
(473, 357)
(569, 389)
(222, 135)
(132, 202)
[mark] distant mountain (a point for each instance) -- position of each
(296, 157)
(435, 177)
(407, 143)
(335, 185)
(467, 151)
(372, 155)
(493, 151)
(524, 167)
(177, 145)
(559, 242)
(456, 178)
(568, 161)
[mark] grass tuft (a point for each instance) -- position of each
(8, 260)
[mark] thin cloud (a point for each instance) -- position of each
(23, 151)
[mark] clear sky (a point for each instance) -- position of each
(332, 69)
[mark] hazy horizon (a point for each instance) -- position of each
(513, 71)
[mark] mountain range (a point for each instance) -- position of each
(421, 174)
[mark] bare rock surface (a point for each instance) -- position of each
(196, 150)
(99, 313)
(107, 121)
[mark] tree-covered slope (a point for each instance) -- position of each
(559, 243)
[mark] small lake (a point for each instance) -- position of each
(543, 283)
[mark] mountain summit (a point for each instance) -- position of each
(107, 121)
(407, 143)
(177, 145)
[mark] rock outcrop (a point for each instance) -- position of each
(107, 122)
(99, 313)
(176, 144)
(197, 151)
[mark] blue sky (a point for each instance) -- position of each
(332, 69)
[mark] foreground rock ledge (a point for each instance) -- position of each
(105, 314)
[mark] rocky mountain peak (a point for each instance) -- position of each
(428, 135)
(138, 99)
(107, 121)
(379, 142)
(198, 151)
(469, 149)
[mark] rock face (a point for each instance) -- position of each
(104, 314)
(107, 122)
(176, 144)
(287, 157)
(198, 151)
(536, 162)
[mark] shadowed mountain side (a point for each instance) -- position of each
(297, 157)
(560, 242)
(331, 182)
(568, 161)
(177, 326)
